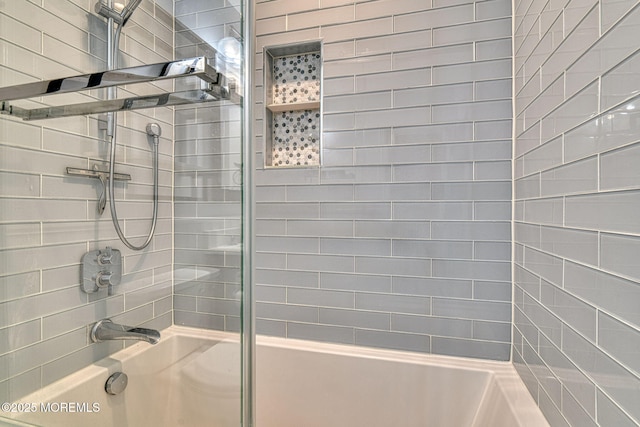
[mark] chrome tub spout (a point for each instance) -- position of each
(106, 330)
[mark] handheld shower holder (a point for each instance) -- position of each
(107, 12)
(119, 17)
(154, 131)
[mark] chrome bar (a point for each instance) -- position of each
(124, 104)
(248, 259)
(95, 173)
(103, 177)
(198, 66)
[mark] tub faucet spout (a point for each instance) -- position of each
(105, 330)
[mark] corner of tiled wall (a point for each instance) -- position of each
(577, 193)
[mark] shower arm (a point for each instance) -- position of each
(214, 87)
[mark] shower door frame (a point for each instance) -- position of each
(248, 213)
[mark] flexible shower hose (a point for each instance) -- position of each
(112, 125)
(112, 198)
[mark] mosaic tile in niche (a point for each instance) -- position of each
(296, 136)
(296, 78)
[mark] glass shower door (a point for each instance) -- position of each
(210, 283)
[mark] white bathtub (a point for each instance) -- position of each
(191, 378)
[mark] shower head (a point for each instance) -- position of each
(120, 13)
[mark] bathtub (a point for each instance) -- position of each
(192, 378)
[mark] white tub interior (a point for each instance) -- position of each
(309, 384)
(192, 378)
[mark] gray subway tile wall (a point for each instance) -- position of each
(49, 220)
(576, 273)
(405, 229)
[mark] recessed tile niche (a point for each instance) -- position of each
(293, 96)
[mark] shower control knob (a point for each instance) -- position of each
(105, 257)
(103, 279)
(101, 269)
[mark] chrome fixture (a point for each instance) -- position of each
(154, 130)
(106, 330)
(103, 177)
(214, 87)
(119, 17)
(116, 383)
(101, 269)
(115, 23)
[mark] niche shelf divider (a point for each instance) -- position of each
(293, 105)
